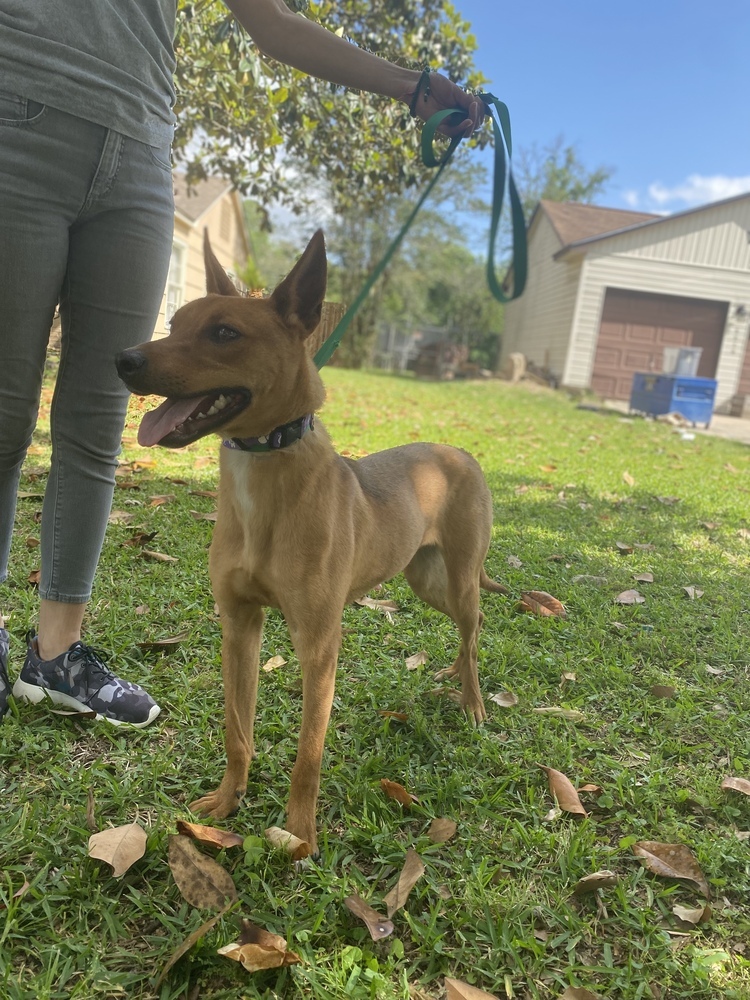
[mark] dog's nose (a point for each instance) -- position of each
(130, 362)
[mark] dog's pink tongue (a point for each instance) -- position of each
(159, 422)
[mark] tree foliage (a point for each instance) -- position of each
(555, 173)
(272, 130)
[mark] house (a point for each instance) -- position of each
(210, 204)
(609, 289)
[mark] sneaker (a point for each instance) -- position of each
(79, 679)
(4, 682)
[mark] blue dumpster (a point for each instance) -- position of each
(690, 396)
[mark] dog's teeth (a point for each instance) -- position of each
(201, 416)
(211, 412)
(262, 440)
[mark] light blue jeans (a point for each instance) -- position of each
(86, 218)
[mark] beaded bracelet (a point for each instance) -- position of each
(424, 81)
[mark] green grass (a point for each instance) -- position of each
(494, 907)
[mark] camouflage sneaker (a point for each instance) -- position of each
(4, 682)
(79, 679)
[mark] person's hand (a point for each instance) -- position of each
(438, 93)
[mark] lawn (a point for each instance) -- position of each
(656, 695)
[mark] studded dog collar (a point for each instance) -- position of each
(280, 437)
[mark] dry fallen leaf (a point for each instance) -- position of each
(663, 691)
(158, 556)
(90, 812)
(563, 790)
(597, 880)
(283, 840)
(624, 548)
(120, 517)
(159, 501)
(514, 562)
(376, 924)
(172, 640)
(442, 830)
(209, 834)
(416, 660)
(594, 789)
(572, 714)
(630, 597)
(398, 716)
(202, 882)
(412, 871)
(274, 663)
(395, 791)
(644, 577)
(627, 478)
(669, 501)
(578, 993)
(120, 847)
(213, 494)
(505, 699)
(258, 949)
(34, 577)
(457, 990)
(692, 915)
(567, 677)
(385, 606)
(189, 941)
(203, 517)
(17, 894)
(737, 785)
(693, 592)
(539, 602)
(672, 861)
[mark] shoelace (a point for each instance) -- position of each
(94, 664)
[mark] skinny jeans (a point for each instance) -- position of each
(86, 220)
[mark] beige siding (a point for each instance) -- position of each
(613, 265)
(538, 324)
(224, 222)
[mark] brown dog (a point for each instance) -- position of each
(300, 528)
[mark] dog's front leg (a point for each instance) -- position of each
(318, 656)
(242, 629)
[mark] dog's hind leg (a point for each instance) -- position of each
(316, 641)
(242, 629)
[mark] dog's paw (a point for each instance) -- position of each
(443, 675)
(476, 712)
(217, 805)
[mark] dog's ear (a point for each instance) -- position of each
(299, 297)
(217, 279)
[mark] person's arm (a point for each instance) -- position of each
(299, 42)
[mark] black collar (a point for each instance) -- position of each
(280, 437)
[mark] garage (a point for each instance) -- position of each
(635, 328)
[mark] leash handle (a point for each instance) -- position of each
(501, 127)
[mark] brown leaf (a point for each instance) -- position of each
(692, 915)
(514, 562)
(416, 660)
(142, 609)
(159, 501)
(563, 790)
(395, 791)
(274, 663)
(120, 847)
(736, 785)
(377, 925)
(158, 556)
(505, 699)
(627, 478)
(457, 990)
(630, 597)
(139, 539)
(189, 941)
(693, 592)
(120, 517)
(597, 880)
(578, 993)
(17, 894)
(669, 501)
(539, 602)
(710, 525)
(644, 577)
(442, 830)
(166, 643)
(412, 871)
(209, 834)
(398, 716)
(567, 677)
(672, 861)
(32, 543)
(90, 814)
(34, 577)
(22, 495)
(199, 516)
(283, 840)
(623, 548)
(213, 494)
(202, 882)
(594, 789)
(663, 691)
(385, 606)
(258, 949)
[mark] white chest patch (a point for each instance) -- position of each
(240, 468)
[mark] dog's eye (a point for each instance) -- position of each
(224, 334)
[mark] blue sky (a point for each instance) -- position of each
(658, 90)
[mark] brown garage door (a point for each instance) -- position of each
(636, 327)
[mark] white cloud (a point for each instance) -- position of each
(696, 190)
(631, 198)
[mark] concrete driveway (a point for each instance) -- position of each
(729, 428)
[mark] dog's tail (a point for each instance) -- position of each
(491, 585)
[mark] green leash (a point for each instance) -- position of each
(501, 127)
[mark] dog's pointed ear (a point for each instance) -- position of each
(299, 297)
(217, 279)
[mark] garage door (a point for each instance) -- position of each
(636, 327)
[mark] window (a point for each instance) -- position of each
(175, 282)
